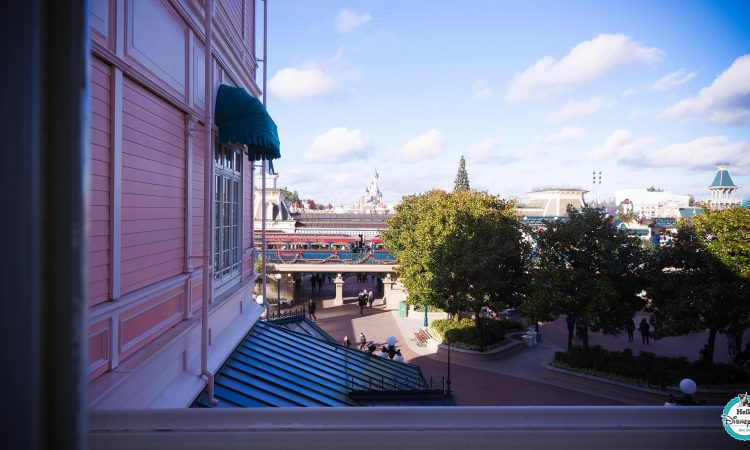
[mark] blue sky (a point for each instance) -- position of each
(534, 93)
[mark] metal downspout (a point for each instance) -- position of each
(208, 194)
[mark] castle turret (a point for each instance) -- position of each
(722, 189)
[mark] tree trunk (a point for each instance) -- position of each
(571, 326)
(708, 353)
(585, 337)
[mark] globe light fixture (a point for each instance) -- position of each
(688, 386)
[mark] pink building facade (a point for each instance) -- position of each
(150, 130)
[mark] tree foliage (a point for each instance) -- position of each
(699, 281)
(459, 250)
(726, 235)
(462, 177)
(587, 270)
(290, 196)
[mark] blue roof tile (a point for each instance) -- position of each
(722, 179)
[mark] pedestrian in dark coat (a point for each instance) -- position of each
(361, 303)
(645, 329)
(630, 328)
(347, 342)
(312, 306)
(362, 341)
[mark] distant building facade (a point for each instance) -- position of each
(652, 204)
(366, 217)
(552, 202)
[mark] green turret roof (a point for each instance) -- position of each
(722, 179)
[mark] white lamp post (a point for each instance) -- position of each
(278, 291)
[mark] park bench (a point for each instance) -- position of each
(421, 337)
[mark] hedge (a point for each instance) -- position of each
(648, 369)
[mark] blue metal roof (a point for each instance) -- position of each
(663, 222)
(274, 366)
(688, 213)
(722, 179)
(745, 204)
(301, 324)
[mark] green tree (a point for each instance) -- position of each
(459, 250)
(462, 178)
(726, 234)
(654, 189)
(587, 270)
(290, 196)
(699, 281)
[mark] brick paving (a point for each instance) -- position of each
(473, 386)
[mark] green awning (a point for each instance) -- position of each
(242, 119)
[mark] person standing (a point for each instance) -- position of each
(311, 307)
(347, 342)
(361, 303)
(362, 341)
(370, 298)
(645, 331)
(630, 328)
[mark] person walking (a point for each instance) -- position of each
(311, 307)
(630, 328)
(361, 303)
(347, 342)
(362, 341)
(645, 331)
(370, 299)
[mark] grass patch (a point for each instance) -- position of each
(464, 333)
(647, 369)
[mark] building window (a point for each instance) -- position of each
(227, 215)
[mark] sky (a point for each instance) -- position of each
(533, 93)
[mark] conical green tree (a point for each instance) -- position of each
(462, 178)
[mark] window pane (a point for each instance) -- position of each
(228, 157)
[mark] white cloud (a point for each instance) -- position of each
(620, 145)
(489, 150)
(629, 92)
(580, 108)
(725, 101)
(672, 80)
(348, 20)
(293, 84)
(567, 134)
(480, 89)
(429, 144)
(586, 62)
(338, 145)
(701, 153)
(698, 154)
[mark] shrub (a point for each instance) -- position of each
(649, 369)
(464, 333)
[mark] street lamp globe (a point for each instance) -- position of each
(259, 299)
(688, 386)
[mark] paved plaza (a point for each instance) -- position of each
(515, 378)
